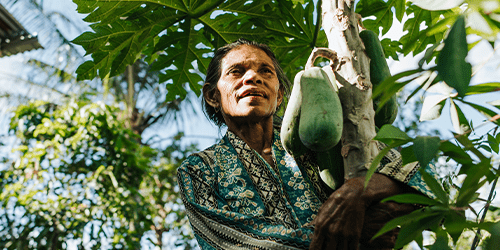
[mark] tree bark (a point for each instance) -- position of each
(340, 23)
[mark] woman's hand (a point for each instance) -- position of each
(352, 215)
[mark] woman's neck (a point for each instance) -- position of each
(259, 136)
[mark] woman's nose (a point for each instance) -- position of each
(252, 77)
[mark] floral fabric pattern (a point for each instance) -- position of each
(235, 200)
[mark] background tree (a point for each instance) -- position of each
(177, 38)
(82, 173)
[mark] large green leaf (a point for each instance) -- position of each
(183, 51)
(115, 45)
(426, 148)
(389, 134)
(382, 11)
(423, 28)
(412, 199)
(226, 28)
(411, 231)
(451, 64)
(101, 9)
(416, 216)
(296, 22)
(257, 9)
(107, 12)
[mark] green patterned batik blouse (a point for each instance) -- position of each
(235, 200)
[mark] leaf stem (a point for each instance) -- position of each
(476, 238)
(318, 23)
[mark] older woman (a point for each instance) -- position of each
(247, 192)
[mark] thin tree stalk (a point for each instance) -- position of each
(486, 207)
(340, 24)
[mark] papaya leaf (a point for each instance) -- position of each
(383, 13)
(429, 54)
(458, 119)
(413, 199)
(435, 187)
(179, 58)
(107, 12)
(437, 30)
(417, 40)
(368, 8)
(296, 22)
(451, 64)
(258, 9)
(118, 44)
(89, 6)
(482, 24)
(413, 41)
(483, 88)
(391, 48)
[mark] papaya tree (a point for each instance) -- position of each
(177, 37)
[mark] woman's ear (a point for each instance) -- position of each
(211, 96)
(281, 92)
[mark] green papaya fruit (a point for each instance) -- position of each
(379, 71)
(289, 132)
(331, 76)
(321, 120)
(331, 166)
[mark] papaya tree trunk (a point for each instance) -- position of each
(340, 23)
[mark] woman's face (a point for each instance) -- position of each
(249, 87)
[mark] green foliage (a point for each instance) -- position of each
(79, 167)
(177, 38)
(452, 67)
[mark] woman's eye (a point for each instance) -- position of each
(234, 71)
(267, 71)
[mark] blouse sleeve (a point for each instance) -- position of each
(392, 165)
(217, 227)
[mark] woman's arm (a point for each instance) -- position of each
(217, 227)
(352, 214)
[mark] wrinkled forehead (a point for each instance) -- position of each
(244, 55)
